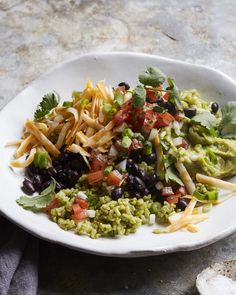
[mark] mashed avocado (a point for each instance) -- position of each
(209, 155)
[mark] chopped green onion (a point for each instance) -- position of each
(126, 142)
(212, 195)
(147, 148)
(128, 132)
(119, 98)
(67, 104)
(199, 195)
(106, 108)
(76, 94)
(84, 102)
(138, 136)
(41, 160)
(107, 170)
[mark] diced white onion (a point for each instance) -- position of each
(159, 185)
(120, 128)
(163, 134)
(122, 165)
(127, 96)
(152, 219)
(176, 127)
(153, 134)
(113, 151)
(91, 213)
(82, 195)
(194, 158)
(177, 141)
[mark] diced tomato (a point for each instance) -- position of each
(53, 204)
(114, 178)
(149, 121)
(99, 161)
(173, 199)
(166, 96)
(81, 215)
(167, 191)
(179, 116)
(76, 208)
(181, 190)
(94, 177)
(83, 203)
(151, 95)
(123, 114)
(164, 119)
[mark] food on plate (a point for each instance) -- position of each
(113, 158)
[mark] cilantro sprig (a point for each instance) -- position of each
(152, 77)
(227, 125)
(48, 102)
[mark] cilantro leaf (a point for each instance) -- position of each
(158, 109)
(38, 202)
(139, 97)
(152, 77)
(49, 102)
(171, 175)
(174, 94)
(227, 125)
(205, 119)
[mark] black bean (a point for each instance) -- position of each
(59, 186)
(57, 165)
(63, 157)
(151, 180)
(150, 159)
(136, 195)
(143, 175)
(146, 192)
(72, 177)
(77, 164)
(44, 185)
(61, 175)
(139, 184)
(28, 187)
(52, 172)
(31, 170)
(127, 87)
(171, 108)
(129, 165)
(116, 193)
(37, 181)
(137, 155)
(214, 107)
(190, 112)
(182, 204)
(130, 183)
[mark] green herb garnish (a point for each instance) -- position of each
(67, 104)
(227, 125)
(152, 77)
(174, 94)
(49, 102)
(205, 119)
(139, 97)
(38, 202)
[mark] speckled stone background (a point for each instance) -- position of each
(35, 35)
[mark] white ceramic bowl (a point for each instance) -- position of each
(114, 68)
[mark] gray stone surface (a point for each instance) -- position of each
(35, 35)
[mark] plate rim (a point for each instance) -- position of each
(152, 251)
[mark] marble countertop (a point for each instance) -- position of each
(35, 35)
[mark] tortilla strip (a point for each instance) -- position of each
(99, 134)
(14, 142)
(25, 163)
(62, 135)
(22, 148)
(91, 122)
(50, 147)
(216, 182)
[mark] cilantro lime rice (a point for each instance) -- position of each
(111, 159)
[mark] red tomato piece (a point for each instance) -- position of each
(151, 95)
(167, 191)
(123, 114)
(53, 204)
(166, 96)
(173, 199)
(80, 215)
(99, 162)
(149, 121)
(179, 116)
(83, 203)
(114, 178)
(164, 119)
(94, 177)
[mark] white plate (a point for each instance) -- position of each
(114, 67)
